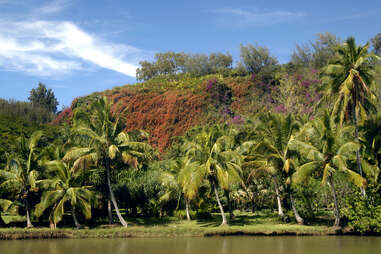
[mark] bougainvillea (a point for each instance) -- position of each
(65, 115)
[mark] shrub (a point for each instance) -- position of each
(363, 214)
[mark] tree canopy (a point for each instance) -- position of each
(43, 97)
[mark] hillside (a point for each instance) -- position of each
(167, 106)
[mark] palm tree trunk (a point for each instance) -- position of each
(230, 210)
(358, 159)
(187, 209)
(76, 223)
(109, 211)
(113, 200)
(52, 225)
(28, 221)
(280, 209)
(224, 220)
(298, 219)
(336, 209)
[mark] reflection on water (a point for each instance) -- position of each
(220, 245)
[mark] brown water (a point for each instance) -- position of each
(221, 245)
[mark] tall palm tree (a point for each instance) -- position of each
(107, 142)
(21, 173)
(218, 162)
(63, 186)
(326, 149)
(271, 154)
(351, 81)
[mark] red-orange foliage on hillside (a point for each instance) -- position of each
(169, 112)
(163, 115)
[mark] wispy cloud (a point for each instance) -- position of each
(54, 6)
(240, 17)
(48, 48)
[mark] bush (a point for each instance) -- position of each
(363, 214)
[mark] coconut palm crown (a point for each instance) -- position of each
(64, 185)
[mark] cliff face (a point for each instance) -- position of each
(166, 109)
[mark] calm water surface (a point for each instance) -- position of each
(221, 245)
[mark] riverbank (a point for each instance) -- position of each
(171, 229)
(178, 230)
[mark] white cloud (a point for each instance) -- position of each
(54, 6)
(54, 48)
(257, 17)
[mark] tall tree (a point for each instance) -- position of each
(376, 43)
(316, 54)
(326, 148)
(21, 173)
(271, 153)
(218, 162)
(107, 143)
(350, 80)
(43, 97)
(257, 58)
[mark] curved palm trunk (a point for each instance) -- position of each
(358, 159)
(113, 200)
(109, 211)
(28, 221)
(298, 219)
(336, 209)
(187, 209)
(280, 209)
(76, 223)
(224, 220)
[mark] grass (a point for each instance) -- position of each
(243, 224)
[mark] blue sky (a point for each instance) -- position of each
(76, 47)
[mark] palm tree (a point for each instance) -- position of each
(371, 148)
(107, 143)
(270, 155)
(63, 186)
(350, 80)
(326, 148)
(178, 179)
(218, 162)
(21, 173)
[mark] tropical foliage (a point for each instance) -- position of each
(200, 138)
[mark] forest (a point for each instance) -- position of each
(200, 137)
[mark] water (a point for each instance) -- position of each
(197, 245)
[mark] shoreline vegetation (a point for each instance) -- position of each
(257, 225)
(177, 230)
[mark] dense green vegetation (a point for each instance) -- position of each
(302, 139)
